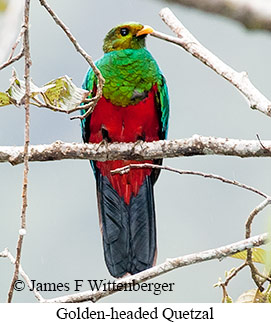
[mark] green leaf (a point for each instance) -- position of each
(4, 99)
(64, 94)
(258, 255)
(61, 94)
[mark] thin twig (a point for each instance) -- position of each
(97, 72)
(224, 284)
(6, 253)
(187, 147)
(225, 293)
(254, 212)
(126, 169)
(16, 42)
(167, 266)
(249, 262)
(240, 80)
(258, 137)
(13, 59)
(254, 272)
(234, 273)
(257, 277)
(22, 230)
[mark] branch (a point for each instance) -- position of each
(254, 271)
(126, 169)
(252, 14)
(91, 105)
(230, 276)
(194, 146)
(8, 255)
(168, 265)
(240, 80)
(27, 65)
(252, 215)
(12, 59)
(248, 262)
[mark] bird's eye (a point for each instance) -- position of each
(124, 31)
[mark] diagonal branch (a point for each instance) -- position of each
(252, 14)
(224, 284)
(167, 266)
(91, 105)
(12, 59)
(194, 146)
(239, 79)
(17, 42)
(8, 255)
(126, 169)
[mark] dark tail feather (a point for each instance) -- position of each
(142, 228)
(129, 231)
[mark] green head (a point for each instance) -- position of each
(130, 35)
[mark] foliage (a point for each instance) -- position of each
(59, 94)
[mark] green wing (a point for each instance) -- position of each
(88, 84)
(163, 104)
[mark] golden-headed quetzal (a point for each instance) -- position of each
(134, 106)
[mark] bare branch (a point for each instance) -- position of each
(13, 59)
(91, 105)
(194, 146)
(8, 255)
(252, 215)
(168, 265)
(126, 169)
(234, 273)
(224, 284)
(252, 14)
(255, 274)
(240, 80)
(26, 147)
(254, 271)
(16, 42)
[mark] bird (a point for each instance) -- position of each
(134, 107)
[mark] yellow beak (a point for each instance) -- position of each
(144, 31)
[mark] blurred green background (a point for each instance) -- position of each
(63, 241)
